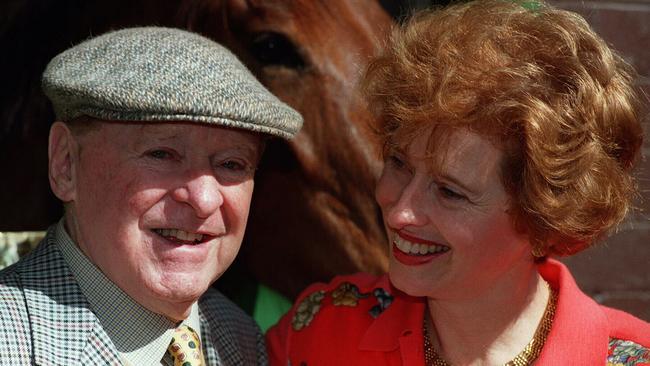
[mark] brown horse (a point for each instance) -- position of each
(313, 214)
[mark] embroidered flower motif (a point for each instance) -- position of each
(626, 353)
(347, 294)
(307, 309)
(384, 299)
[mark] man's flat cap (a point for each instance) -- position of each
(163, 74)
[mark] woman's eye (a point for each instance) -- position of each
(450, 194)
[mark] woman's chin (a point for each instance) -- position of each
(410, 285)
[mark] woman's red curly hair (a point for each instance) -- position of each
(543, 87)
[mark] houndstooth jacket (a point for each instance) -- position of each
(46, 320)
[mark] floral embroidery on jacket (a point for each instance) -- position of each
(347, 294)
(626, 353)
(307, 309)
(384, 300)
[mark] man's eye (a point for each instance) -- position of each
(233, 165)
(235, 170)
(159, 154)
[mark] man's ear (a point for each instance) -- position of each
(62, 152)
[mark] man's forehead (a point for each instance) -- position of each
(144, 132)
(163, 127)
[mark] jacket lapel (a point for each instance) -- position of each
(63, 326)
(220, 344)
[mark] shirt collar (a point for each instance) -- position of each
(140, 335)
(579, 334)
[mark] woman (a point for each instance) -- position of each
(509, 135)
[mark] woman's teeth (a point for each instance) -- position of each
(180, 235)
(418, 248)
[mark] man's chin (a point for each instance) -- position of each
(177, 308)
(173, 300)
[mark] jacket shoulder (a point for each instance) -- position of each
(18, 276)
(629, 339)
(627, 327)
(12, 300)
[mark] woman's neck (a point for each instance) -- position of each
(494, 326)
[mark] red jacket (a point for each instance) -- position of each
(363, 320)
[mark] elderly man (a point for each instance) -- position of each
(158, 136)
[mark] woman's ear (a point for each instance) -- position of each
(61, 158)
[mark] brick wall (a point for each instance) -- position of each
(617, 272)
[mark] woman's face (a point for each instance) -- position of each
(450, 234)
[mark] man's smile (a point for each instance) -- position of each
(183, 237)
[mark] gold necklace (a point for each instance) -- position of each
(524, 358)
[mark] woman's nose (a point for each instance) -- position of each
(408, 207)
(202, 193)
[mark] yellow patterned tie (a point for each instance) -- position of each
(185, 347)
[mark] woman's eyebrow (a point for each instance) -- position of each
(457, 181)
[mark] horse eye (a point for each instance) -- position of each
(274, 49)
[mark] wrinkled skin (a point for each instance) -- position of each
(129, 185)
(313, 213)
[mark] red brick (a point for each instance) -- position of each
(623, 24)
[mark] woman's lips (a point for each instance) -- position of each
(411, 251)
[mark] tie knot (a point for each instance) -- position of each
(185, 347)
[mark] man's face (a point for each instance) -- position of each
(161, 208)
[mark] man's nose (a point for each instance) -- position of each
(409, 207)
(202, 193)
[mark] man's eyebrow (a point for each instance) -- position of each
(151, 132)
(246, 148)
(166, 137)
(148, 136)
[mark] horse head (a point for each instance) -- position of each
(313, 214)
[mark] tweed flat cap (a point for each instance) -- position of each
(163, 74)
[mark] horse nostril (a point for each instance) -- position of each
(275, 49)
